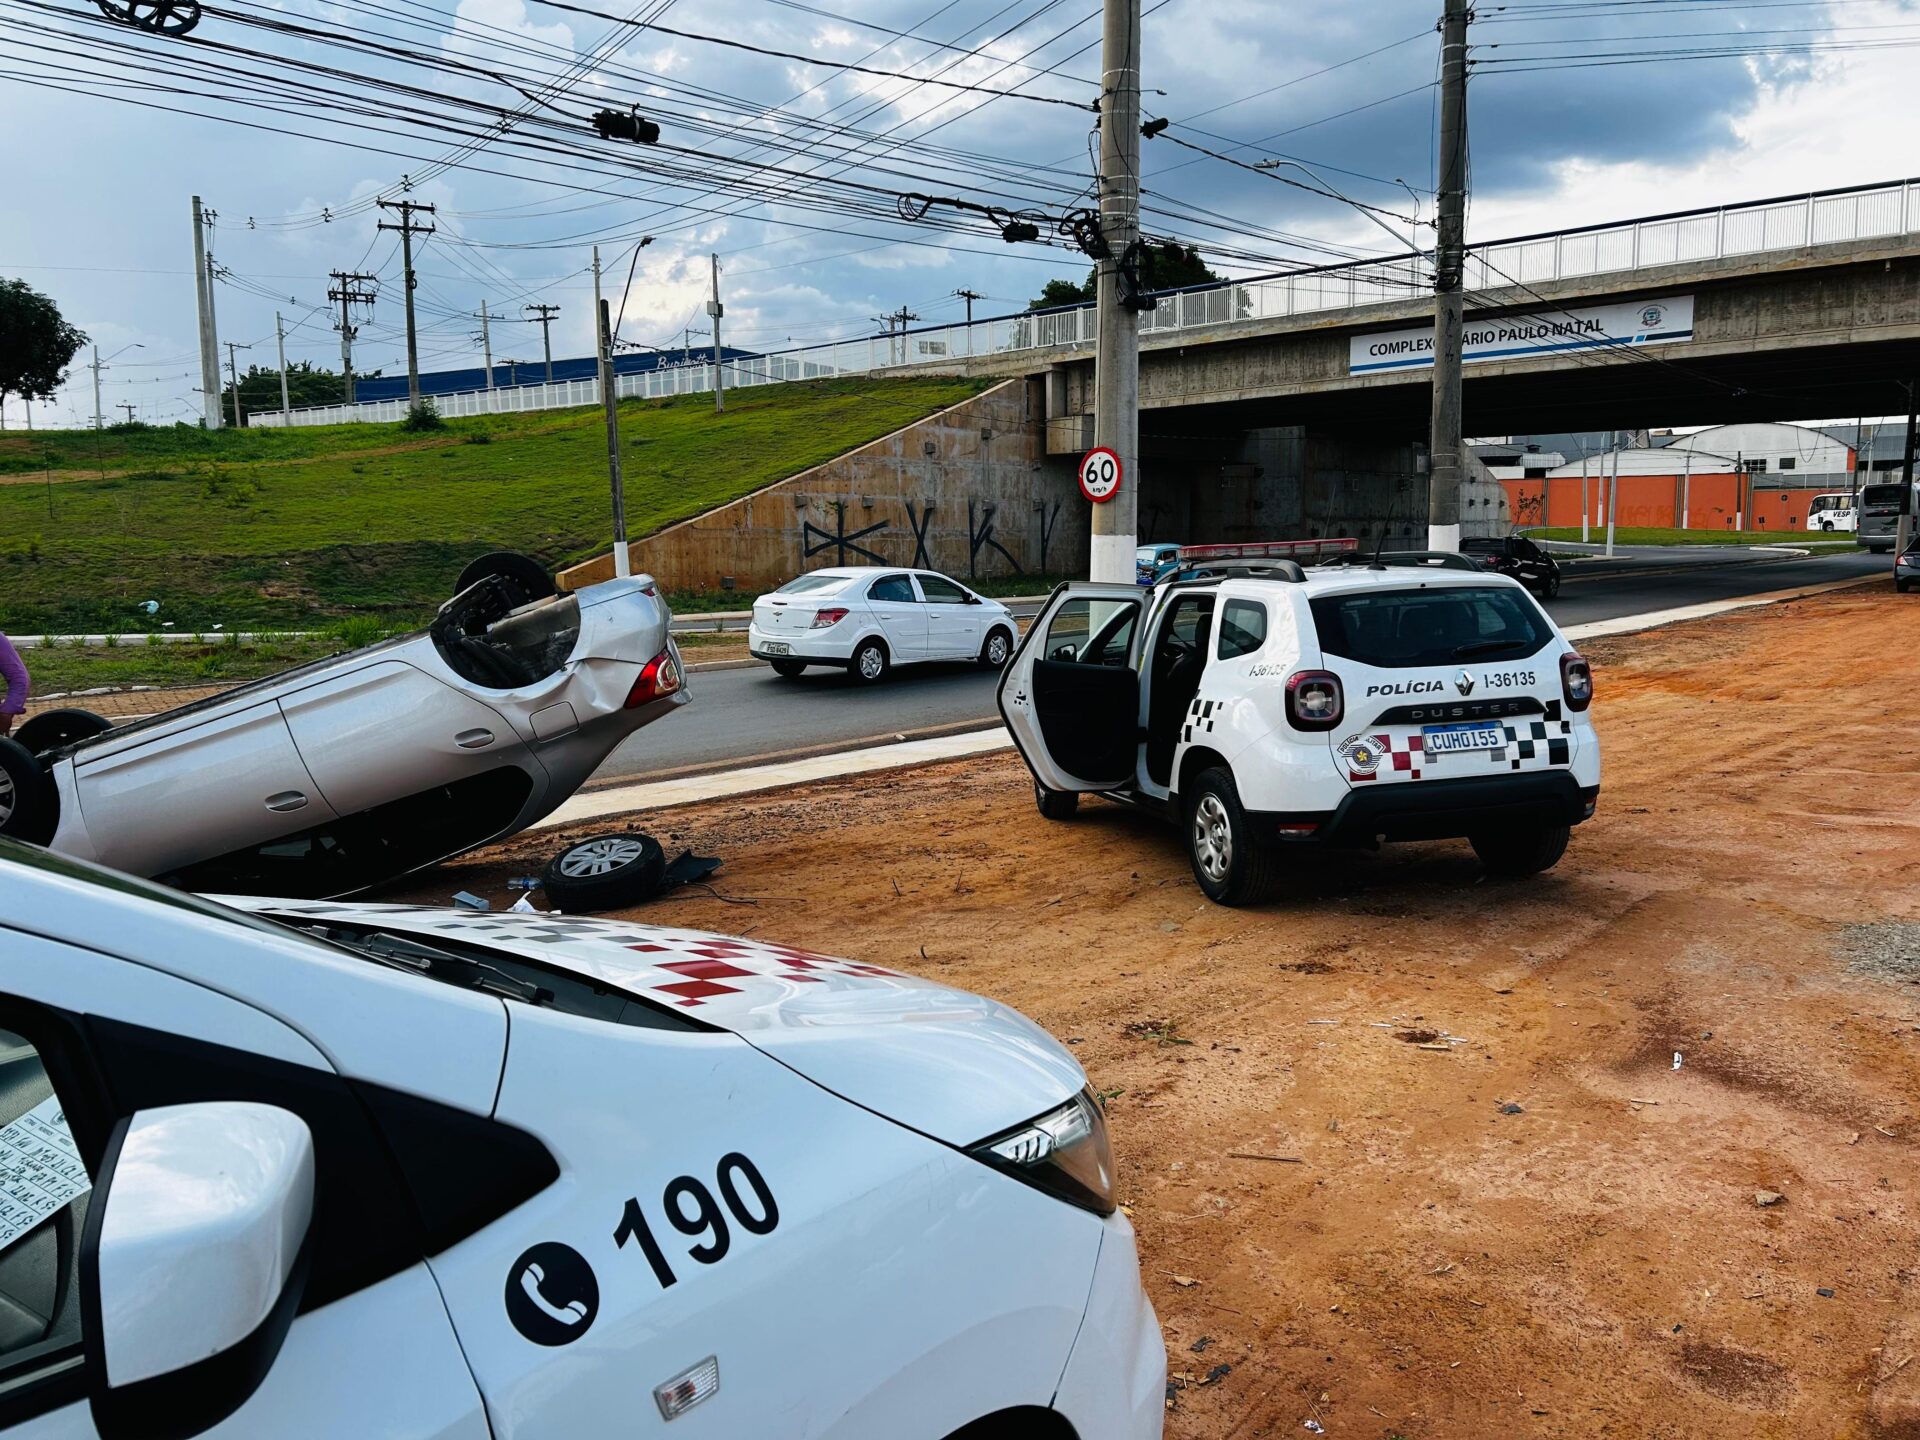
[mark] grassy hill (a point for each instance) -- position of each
(285, 528)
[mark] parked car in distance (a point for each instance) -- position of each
(354, 770)
(1837, 511)
(866, 619)
(1151, 561)
(1279, 710)
(338, 1171)
(1517, 557)
(1906, 570)
(1880, 510)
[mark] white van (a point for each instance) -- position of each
(1833, 512)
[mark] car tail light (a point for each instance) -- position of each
(832, 615)
(1314, 700)
(1576, 681)
(659, 677)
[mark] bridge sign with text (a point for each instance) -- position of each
(1661, 320)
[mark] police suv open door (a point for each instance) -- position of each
(1071, 696)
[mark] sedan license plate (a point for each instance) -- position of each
(776, 647)
(1447, 739)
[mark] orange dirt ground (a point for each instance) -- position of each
(1338, 1221)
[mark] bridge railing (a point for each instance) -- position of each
(1863, 212)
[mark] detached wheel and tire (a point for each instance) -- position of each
(1233, 866)
(52, 729)
(1516, 854)
(788, 668)
(29, 804)
(1055, 804)
(870, 663)
(605, 872)
(997, 650)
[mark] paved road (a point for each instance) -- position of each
(748, 716)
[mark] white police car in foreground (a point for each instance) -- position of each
(332, 1170)
(1266, 707)
(865, 619)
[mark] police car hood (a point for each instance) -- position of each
(953, 1065)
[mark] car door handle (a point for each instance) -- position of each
(474, 739)
(286, 800)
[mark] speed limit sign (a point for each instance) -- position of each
(1100, 474)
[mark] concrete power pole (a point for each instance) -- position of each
(1446, 466)
(969, 296)
(348, 290)
(486, 343)
(209, 341)
(408, 229)
(1116, 405)
(99, 420)
(543, 317)
(280, 344)
(123, 405)
(716, 310)
(233, 374)
(603, 349)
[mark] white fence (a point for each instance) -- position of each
(1865, 213)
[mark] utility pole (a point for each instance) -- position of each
(1446, 469)
(486, 343)
(1613, 488)
(123, 405)
(543, 316)
(99, 421)
(603, 347)
(350, 288)
(408, 230)
(969, 296)
(896, 324)
(233, 374)
(209, 342)
(280, 344)
(717, 310)
(1116, 406)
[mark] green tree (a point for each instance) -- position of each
(307, 384)
(1163, 267)
(36, 343)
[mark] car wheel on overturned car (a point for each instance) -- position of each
(1055, 804)
(29, 804)
(51, 729)
(1232, 864)
(526, 574)
(1516, 854)
(605, 872)
(869, 663)
(788, 668)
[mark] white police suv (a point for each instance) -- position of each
(1268, 708)
(330, 1170)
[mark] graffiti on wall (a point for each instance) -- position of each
(980, 535)
(814, 540)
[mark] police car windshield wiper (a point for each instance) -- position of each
(1488, 647)
(410, 954)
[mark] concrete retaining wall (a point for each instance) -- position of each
(969, 491)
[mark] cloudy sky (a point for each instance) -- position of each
(789, 169)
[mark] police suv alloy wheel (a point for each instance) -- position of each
(1233, 866)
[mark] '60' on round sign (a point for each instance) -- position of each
(1100, 474)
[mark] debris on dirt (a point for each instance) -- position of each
(1888, 950)
(1315, 1426)
(1161, 1032)
(1217, 1373)
(467, 900)
(523, 906)
(1185, 1282)
(1677, 1058)
(1201, 1344)
(1277, 1159)
(1512, 1108)
(1417, 1037)
(523, 882)
(1766, 1198)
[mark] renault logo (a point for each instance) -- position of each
(1463, 682)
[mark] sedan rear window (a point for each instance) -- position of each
(818, 583)
(1405, 629)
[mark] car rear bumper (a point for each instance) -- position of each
(802, 645)
(1437, 810)
(1115, 1383)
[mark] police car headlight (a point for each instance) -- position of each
(1064, 1152)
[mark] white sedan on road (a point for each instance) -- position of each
(865, 619)
(337, 1170)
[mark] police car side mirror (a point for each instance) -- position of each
(192, 1264)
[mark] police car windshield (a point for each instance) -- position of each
(1407, 629)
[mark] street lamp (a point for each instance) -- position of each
(1271, 165)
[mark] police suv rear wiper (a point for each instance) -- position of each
(410, 954)
(1488, 647)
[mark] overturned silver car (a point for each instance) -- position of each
(354, 770)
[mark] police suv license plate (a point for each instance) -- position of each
(776, 647)
(1448, 739)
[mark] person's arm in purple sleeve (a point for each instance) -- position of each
(14, 671)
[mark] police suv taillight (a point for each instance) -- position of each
(1576, 681)
(659, 677)
(1314, 700)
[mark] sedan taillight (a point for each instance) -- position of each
(1576, 681)
(832, 615)
(659, 677)
(1314, 700)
